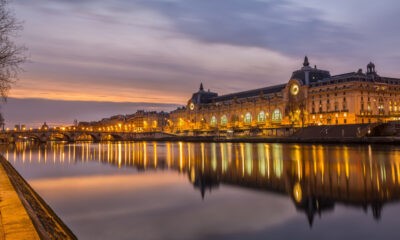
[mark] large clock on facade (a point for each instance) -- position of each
(294, 89)
(191, 106)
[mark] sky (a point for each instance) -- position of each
(123, 53)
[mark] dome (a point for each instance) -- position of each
(44, 126)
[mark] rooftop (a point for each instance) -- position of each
(250, 93)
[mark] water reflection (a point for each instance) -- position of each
(315, 177)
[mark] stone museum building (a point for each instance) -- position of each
(311, 97)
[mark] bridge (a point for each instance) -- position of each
(73, 135)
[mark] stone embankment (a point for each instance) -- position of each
(23, 213)
(353, 133)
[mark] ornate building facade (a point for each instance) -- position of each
(140, 121)
(311, 97)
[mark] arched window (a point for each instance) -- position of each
(224, 120)
(213, 121)
(261, 117)
(277, 115)
(247, 118)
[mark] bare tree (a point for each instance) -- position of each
(2, 122)
(11, 55)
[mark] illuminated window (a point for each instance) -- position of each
(224, 120)
(381, 107)
(261, 117)
(247, 118)
(213, 121)
(181, 122)
(277, 115)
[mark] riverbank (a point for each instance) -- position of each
(261, 139)
(24, 214)
(383, 133)
(345, 133)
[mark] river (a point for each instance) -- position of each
(179, 190)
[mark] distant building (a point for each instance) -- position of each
(311, 97)
(19, 127)
(141, 121)
(44, 126)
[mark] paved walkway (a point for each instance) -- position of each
(15, 222)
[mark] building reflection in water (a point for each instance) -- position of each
(315, 177)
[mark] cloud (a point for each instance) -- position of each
(129, 57)
(284, 26)
(160, 51)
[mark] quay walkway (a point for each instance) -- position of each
(23, 213)
(15, 222)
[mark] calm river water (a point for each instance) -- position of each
(149, 190)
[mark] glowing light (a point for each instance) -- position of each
(180, 156)
(297, 193)
(261, 159)
(155, 154)
(192, 175)
(214, 156)
(249, 158)
(277, 159)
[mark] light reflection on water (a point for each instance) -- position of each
(290, 181)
